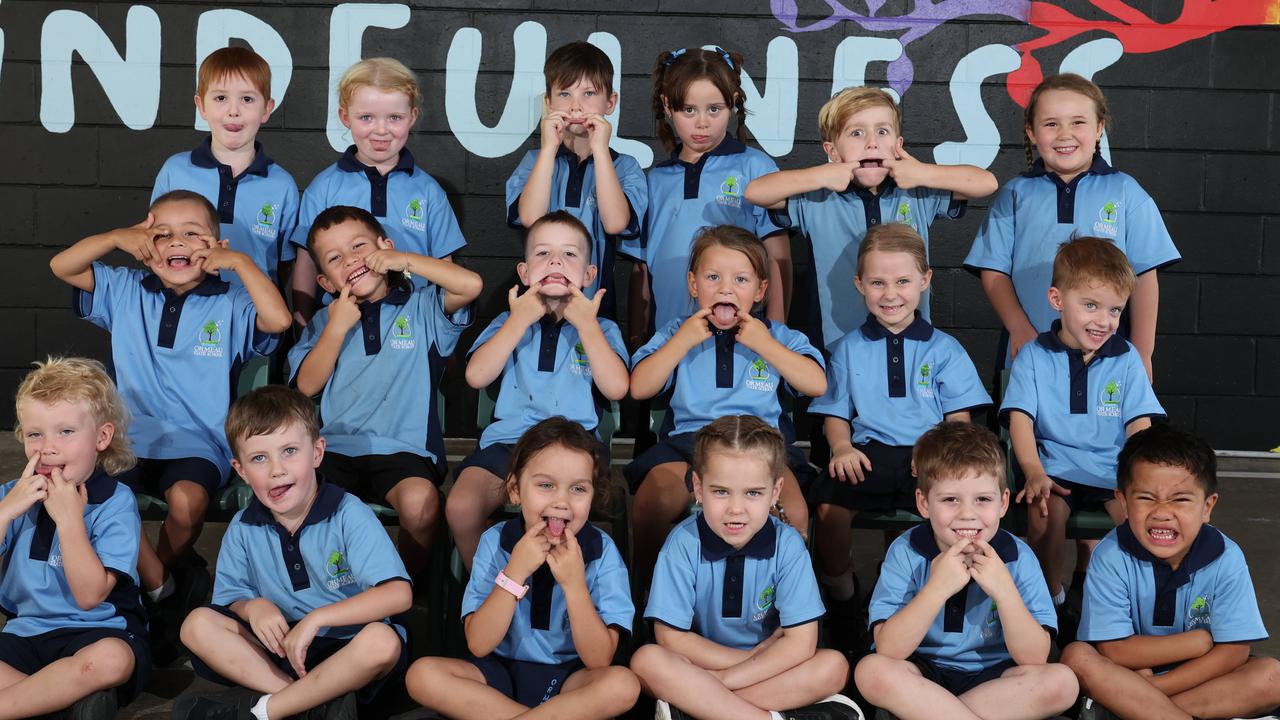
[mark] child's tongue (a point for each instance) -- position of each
(725, 313)
(555, 527)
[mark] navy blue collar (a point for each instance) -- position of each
(210, 285)
(572, 157)
(99, 487)
(1115, 346)
(1097, 167)
(926, 545)
(589, 538)
(919, 329)
(398, 292)
(349, 163)
(203, 157)
(328, 498)
(885, 187)
(729, 146)
(761, 546)
(1207, 547)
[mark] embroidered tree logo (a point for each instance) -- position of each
(334, 564)
(1109, 212)
(730, 185)
(266, 215)
(415, 209)
(210, 333)
(580, 354)
(759, 369)
(1111, 389)
(904, 212)
(402, 327)
(924, 373)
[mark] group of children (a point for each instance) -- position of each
(964, 615)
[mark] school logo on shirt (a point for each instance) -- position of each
(1107, 216)
(924, 381)
(991, 628)
(1199, 615)
(401, 335)
(764, 603)
(55, 560)
(413, 216)
(730, 192)
(339, 571)
(579, 365)
(903, 214)
(210, 343)
(1109, 399)
(758, 376)
(265, 224)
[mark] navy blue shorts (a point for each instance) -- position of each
(495, 460)
(888, 486)
(1085, 497)
(28, 655)
(371, 477)
(958, 682)
(528, 683)
(321, 649)
(679, 448)
(155, 477)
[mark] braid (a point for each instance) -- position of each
(1026, 144)
(740, 98)
(665, 134)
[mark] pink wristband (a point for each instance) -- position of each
(510, 585)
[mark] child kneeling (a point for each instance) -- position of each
(961, 614)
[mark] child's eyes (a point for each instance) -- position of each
(546, 486)
(396, 118)
(578, 489)
(290, 451)
(713, 276)
(742, 279)
(876, 283)
(856, 133)
(365, 118)
(882, 131)
(68, 431)
(720, 492)
(985, 499)
(219, 98)
(754, 493)
(33, 435)
(258, 458)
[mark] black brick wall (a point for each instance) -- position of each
(1196, 124)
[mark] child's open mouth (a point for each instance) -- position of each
(968, 533)
(871, 163)
(555, 279)
(233, 128)
(1067, 150)
(724, 314)
(1096, 335)
(178, 262)
(555, 526)
(359, 273)
(47, 470)
(1163, 536)
(734, 528)
(279, 491)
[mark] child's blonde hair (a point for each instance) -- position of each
(741, 434)
(676, 70)
(894, 237)
(835, 113)
(1071, 83)
(75, 379)
(383, 73)
(1084, 261)
(730, 237)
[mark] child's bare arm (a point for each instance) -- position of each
(608, 371)
(706, 654)
(1027, 642)
(74, 265)
(594, 641)
(611, 201)
(772, 191)
(273, 313)
(488, 625)
(1149, 651)
(1004, 299)
(317, 367)
(958, 416)
(459, 284)
(650, 374)
(89, 581)
(900, 635)
(1039, 485)
(486, 363)
(800, 371)
(373, 605)
(1222, 659)
(964, 181)
(535, 196)
(1144, 307)
(792, 647)
(1136, 425)
(304, 288)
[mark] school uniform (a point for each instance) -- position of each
(1036, 212)
(573, 189)
(683, 199)
(965, 646)
(835, 224)
(1080, 411)
(45, 623)
(547, 374)
(339, 551)
(891, 388)
(176, 360)
(379, 403)
(1128, 591)
(733, 597)
(257, 209)
(537, 655)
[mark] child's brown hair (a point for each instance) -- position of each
(568, 64)
(566, 433)
(560, 217)
(1086, 261)
(1071, 83)
(894, 237)
(384, 73)
(676, 70)
(211, 213)
(76, 379)
(231, 61)
(741, 434)
(267, 410)
(731, 237)
(952, 450)
(835, 113)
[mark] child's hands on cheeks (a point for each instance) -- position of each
(217, 255)
(386, 258)
(66, 500)
(695, 329)
(553, 124)
(30, 489)
(565, 560)
(268, 624)
(529, 307)
(838, 176)
(529, 554)
(906, 171)
(989, 571)
(751, 332)
(139, 240)
(598, 132)
(582, 311)
(344, 313)
(949, 570)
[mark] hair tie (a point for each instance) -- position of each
(725, 55)
(671, 57)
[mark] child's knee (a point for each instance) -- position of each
(377, 645)
(1057, 686)
(620, 683)
(650, 661)
(831, 669)
(187, 502)
(199, 624)
(106, 663)
(416, 501)
(876, 675)
(1080, 657)
(467, 508)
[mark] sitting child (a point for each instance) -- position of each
(1169, 608)
(306, 580)
(76, 634)
(961, 614)
(551, 654)
(734, 600)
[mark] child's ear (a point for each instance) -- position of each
(1031, 134)
(777, 490)
(697, 488)
(1055, 298)
(693, 286)
(235, 465)
(385, 243)
(922, 505)
(764, 288)
(513, 490)
(613, 103)
(830, 149)
(522, 272)
(1209, 504)
(857, 283)
(329, 287)
(106, 432)
(590, 276)
(1004, 502)
(271, 107)
(413, 116)
(344, 118)
(200, 106)
(318, 449)
(928, 278)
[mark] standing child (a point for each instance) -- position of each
(178, 338)
(889, 382)
(76, 633)
(696, 94)
(1070, 190)
(574, 170)
(307, 578)
(961, 616)
(555, 357)
(373, 357)
(1169, 605)
(378, 102)
(256, 199)
(721, 360)
(734, 602)
(548, 656)
(869, 179)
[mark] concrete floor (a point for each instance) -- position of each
(1248, 512)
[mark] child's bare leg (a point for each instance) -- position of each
(372, 653)
(417, 502)
(898, 687)
(151, 570)
(671, 677)
(793, 503)
(231, 650)
(659, 500)
(188, 502)
(833, 536)
(106, 663)
(821, 676)
(475, 495)
(1026, 692)
(1048, 537)
(600, 693)
(1122, 691)
(1249, 690)
(456, 689)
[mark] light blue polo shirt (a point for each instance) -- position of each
(1128, 591)
(380, 399)
(34, 593)
(540, 630)
(723, 377)
(1036, 212)
(257, 209)
(892, 388)
(1080, 411)
(411, 206)
(338, 552)
(547, 374)
(835, 224)
(967, 635)
(573, 189)
(683, 199)
(176, 357)
(734, 597)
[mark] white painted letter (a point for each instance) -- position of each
(346, 28)
(132, 82)
(772, 116)
(983, 138)
(1088, 59)
(524, 103)
(853, 54)
(636, 149)
(216, 27)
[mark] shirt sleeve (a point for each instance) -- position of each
(112, 289)
(488, 561)
(1032, 588)
(446, 327)
(941, 204)
(613, 336)
(838, 400)
(515, 186)
(310, 335)
(1107, 596)
(796, 596)
(370, 552)
(444, 236)
(636, 188)
(163, 184)
(1234, 608)
(797, 343)
(611, 591)
(314, 201)
(896, 585)
(116, 533)
(672, 591)
(231, 583)
(489, 332)
(251, 341)
(959, 386)
(13, 524)
(1020, 394)
(1138, 399)
(1147, 241)
(791, 216)
(761, 165)
(993, 247)
(289, 220)
(659, 339)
